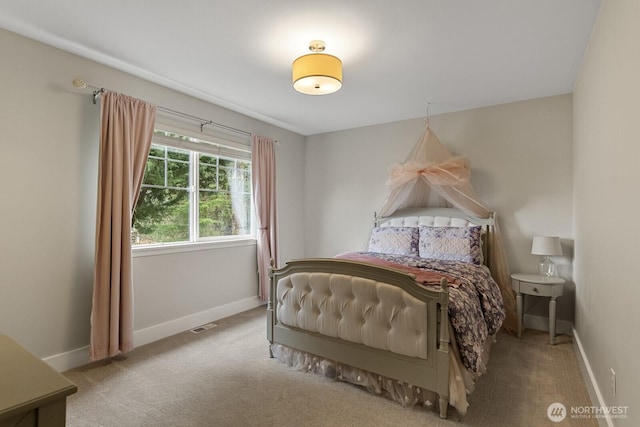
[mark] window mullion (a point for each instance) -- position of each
(194, 183)
(166, 167)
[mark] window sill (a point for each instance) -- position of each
(190, 247)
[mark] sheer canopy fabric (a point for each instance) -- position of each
(263, 174)
(432, 176)
(125, 138)
(430, 168)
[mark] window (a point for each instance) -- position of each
(193, 190)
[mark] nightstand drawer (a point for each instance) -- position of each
(535, 289)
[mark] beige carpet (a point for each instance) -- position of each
(224, 377)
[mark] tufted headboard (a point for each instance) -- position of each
(440, 217)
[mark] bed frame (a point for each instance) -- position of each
(293, 315)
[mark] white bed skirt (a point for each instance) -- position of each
(461, 381)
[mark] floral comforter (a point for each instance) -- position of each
(476, 309)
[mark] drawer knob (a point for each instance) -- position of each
(536, 290)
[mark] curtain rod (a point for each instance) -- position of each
(97, 91)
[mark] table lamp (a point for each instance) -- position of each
(546, 246)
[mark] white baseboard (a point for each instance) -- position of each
(80, 356)
(541, 323)
(590, 379)
(69, 360)
(172, 327)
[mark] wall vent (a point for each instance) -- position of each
(204, 327)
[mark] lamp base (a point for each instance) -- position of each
(546, 267)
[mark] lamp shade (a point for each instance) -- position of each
(317, 73)
(545, 245)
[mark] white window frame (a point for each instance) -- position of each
(238, 148)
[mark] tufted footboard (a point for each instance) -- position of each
(365, 316)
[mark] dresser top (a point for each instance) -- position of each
(27, 381)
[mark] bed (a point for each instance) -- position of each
(408, 318)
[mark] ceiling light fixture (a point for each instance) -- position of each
(317, 73)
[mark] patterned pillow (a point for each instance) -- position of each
(394, 240)
(451, 243)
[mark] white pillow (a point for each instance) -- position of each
(451, 243)
(394, 240)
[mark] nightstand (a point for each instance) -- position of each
(534, 284)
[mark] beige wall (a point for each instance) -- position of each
(606, 179)
(521, 163)
(524, 167)
(48, 171)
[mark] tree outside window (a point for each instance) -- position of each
(190, 196)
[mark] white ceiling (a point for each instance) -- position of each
(397, 56)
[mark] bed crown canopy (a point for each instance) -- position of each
(430, 166)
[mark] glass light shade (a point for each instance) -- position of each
(317, 74)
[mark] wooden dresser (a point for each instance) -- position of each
(32, 393)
